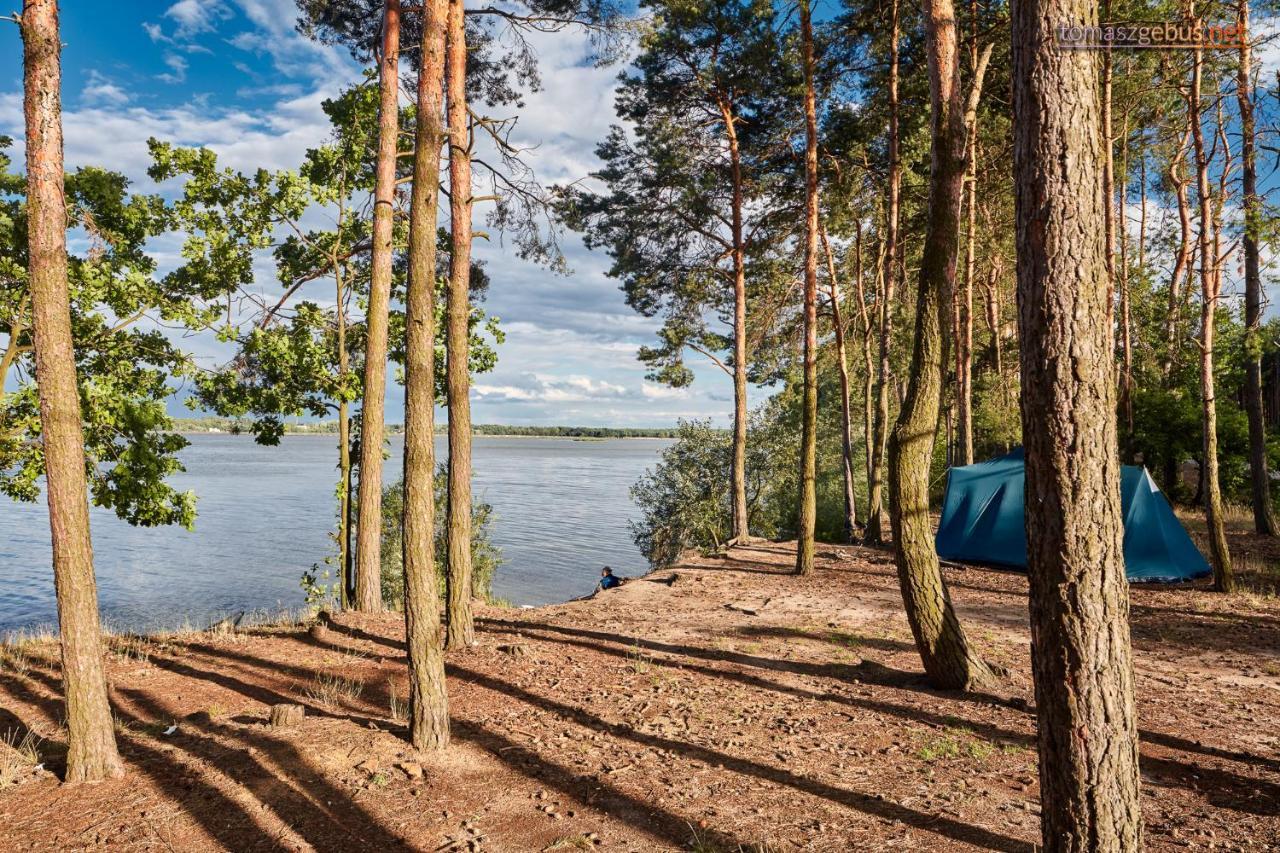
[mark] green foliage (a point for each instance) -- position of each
(684, 500)
(486, 557)
(666, 216)
(300, 357)
(126, 365)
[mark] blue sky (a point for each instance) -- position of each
(235, 76)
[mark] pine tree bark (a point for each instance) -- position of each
(738, 251)
(1081, 658)
(868, 361)
(344, 452)
(1182, 257)
(1122, 279)
(457, 332)
(949, 661)
(1264, 518)
(808, 509)
(842, 363)
(1210, 283)
(963, 301)
(372, 413)
(874, 534)
(91, 754)
(428, 697)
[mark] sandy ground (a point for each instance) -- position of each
(736, 707)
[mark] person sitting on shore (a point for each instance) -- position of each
(608, 580)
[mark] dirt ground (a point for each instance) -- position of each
(734, 708)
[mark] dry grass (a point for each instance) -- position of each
(639, 662)
(131, 647)
(397, 707)
(19, 755)
(328, 690)
(15, 659)
(1237, 514)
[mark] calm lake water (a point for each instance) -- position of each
(266, 515)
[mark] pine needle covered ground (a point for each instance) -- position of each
(735, 708)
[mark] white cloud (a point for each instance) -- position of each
(194, 17)
(571, 341)
(99, 90)
(552, 389)
(664, 392)
(178, 69)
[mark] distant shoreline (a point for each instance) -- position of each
(314, 434)
(226, 426)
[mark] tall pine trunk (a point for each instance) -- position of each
(1264, 519)
(1122, 278)
(875, 486)
(1081, 659)
(1210, 283)
(842, 362)
(369, 525)
(868, 359)
(457, 332)
(428, 698)
(741, 521)
(344, 445)
(808, 509)
(91, 753)
(963, 301)
(948, 660)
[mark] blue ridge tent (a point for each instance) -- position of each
(982, 522)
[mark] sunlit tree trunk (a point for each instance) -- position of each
(868, 360)
(949, 661)
(344, 445)
(1264, 519)
(1142, 200)
(369, 524)
(1182, 256)
(1210, 284)
(428, 698)
(738, 476)
(457, 331)
(1081, 659)
(842, 363)
(963, 299)
(1122, 280)
(91, 743)
(875, 487)
(991, 293)
(808, 509)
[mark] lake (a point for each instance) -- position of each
(266, 514)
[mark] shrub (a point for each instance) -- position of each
(485, 556)
(685, 500)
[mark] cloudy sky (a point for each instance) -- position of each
(234, 75)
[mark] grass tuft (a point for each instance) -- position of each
(19, 755)
(327, 690)
(398, 708)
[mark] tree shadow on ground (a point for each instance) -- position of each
(1236, 789)
(911, 713)
(834, 636)
(298, 794)
(867, 671)
(877, 806)
(639, 813)
(1153, 625)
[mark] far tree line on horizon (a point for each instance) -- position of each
(934, 233)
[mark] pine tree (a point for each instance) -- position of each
(91, 753)
(1081, 660)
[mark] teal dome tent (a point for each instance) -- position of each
(982, 522)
